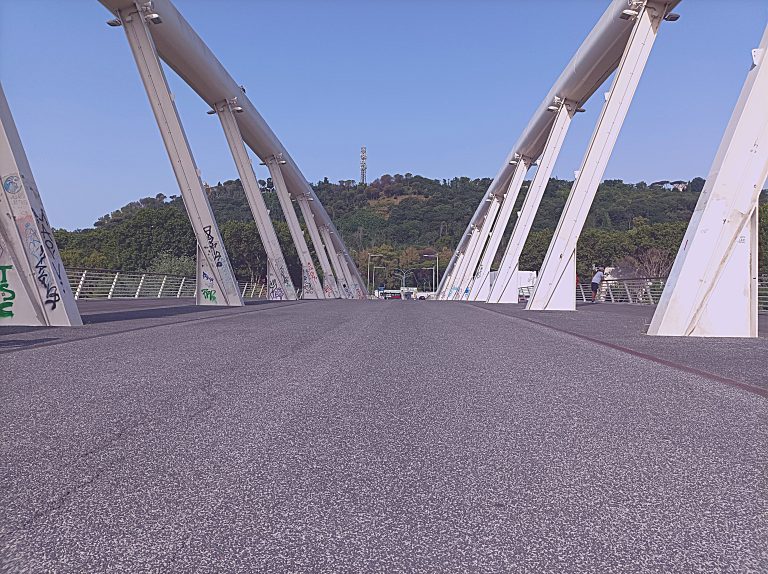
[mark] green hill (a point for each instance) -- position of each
(400, 217)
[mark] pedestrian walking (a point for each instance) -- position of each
(596, 280)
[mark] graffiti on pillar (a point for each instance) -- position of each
(327, 289)
(7, 295)
(276, 292)
(209, 295)
(286, 279)
(213, 245)
(36, 244)
(359, 292)
(308, 278)
(12, 184)
(347, 292)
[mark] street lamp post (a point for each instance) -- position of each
(436, 257)
(373, 275)
(370, 255)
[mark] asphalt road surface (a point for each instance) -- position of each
(380, 437)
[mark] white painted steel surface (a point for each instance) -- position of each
(278, 277)
(505, 288)
(33, 283)
(330, 286)
(594, 61)
(554, 287)
(345, 286)
(454, 288)
(712, 290)
(472, 260)
(480, 286)
(186, 53)
(216, 283)
(310, 283)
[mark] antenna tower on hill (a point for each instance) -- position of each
(363, 164)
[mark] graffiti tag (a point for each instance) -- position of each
(209, 295)
(207, 278)
(7, 294)
(12, 184)
(306, 279)
(212, 245)
(47, 235)
(51, 290)
(276, 292)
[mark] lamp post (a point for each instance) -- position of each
(432, 269)
(436, 257)
(373, 275)
(370, 255)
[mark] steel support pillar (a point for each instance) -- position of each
(34, 288)
(310, 288)
(278, 278)
(505, 288)
(454, 287)
(555, 287)
(712, 288)
(330, 285)
(447, 282)
(472, 259)
(480, 286)
(216, 283)
(354, 286)
(345, 290)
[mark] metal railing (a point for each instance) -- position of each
(645, 291)
(109, 284)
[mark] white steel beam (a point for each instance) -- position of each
(455, 288)
(216, 283)
(480, 286)
(355, 288)
(593, 62)
(346, 288)
(473, 257)
(34, 289)
(448, 278)
(505, 288)
(330, 285)
(310, 288)
(278, 278)
(555, 286)
(187, 54)
(712, 288)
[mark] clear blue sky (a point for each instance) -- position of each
(437, 88)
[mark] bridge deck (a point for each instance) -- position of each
(381, 437)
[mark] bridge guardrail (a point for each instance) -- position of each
(643, 291)
(110, 284)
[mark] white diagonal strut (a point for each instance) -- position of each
(505, 288)
(480, 285)
(453, 289)
(216, 284)
(712, 288)
(277, 270)
(330, 285)
(555, 287)
(34, 289)
(310, 288)
(475, 249)
(345, 282)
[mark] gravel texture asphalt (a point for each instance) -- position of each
(377, 437)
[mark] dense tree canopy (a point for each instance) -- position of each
(397, 219)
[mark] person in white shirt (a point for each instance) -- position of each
(596, 280)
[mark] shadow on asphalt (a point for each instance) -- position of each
(155, 312)
(21, 343)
